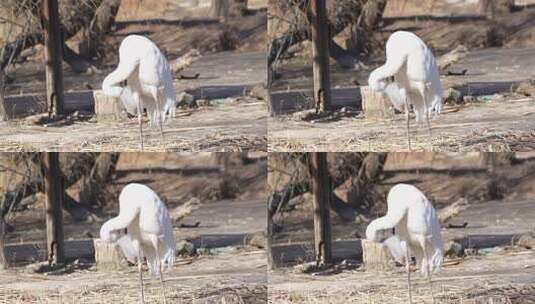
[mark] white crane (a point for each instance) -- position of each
(143, 229)
(417, 231)
(149, 82)
(416, 80)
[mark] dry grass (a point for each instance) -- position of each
(478, 140)
(444, 294)
(222, 128)
(232, 277)
(500, 276)
(126, 294)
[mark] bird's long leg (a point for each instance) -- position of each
(159, 261)
(139, 268)
(407, 117)
(408, 268)
(425, 265)
(424, 94)
(428, 270)
(156, 95)
(140, 122)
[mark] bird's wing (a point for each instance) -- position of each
(396, 96)
(129, 250)
(128, 101)
(397, 248)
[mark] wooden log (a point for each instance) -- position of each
(446, 213)
(376, 105)
(108, 256)
(107, 108)
(376, 257)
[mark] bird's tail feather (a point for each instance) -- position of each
(128, 249)
(436, 260)
(396, 95)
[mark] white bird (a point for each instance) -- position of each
(143, 229)
(149, 81)
(417, 230)
(416, 80)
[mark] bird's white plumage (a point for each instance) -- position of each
(415, 72)
(416, 226)
(148, 227)
(149, 79)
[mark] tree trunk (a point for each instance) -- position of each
(3, 261)
(342, 14)
(74, 15)
(53, 205)
(100, 25)
(321, 188)
(372, 15)
(371, 167)
(53, 57)
(3, 114)
(320, 50)
(494, 8)
(91, 185)
(493, 161)
(220, 9)
(238, 8)
(269, 242)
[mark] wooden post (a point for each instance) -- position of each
(53, 208)
(108, 256)
(320, 51)
(269, 242)
(3, 261)
(376, 257)
(376, 105)
(53, 57)
(3, 114)
(108, 108)
(220, 9)
(321, 188)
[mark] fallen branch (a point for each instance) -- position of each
(446, 213)
(184, 210)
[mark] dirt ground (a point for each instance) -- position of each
(499, 121)
(233, 276)
(230, 126)
(231, 122)
(502, 274)
(492, 126)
